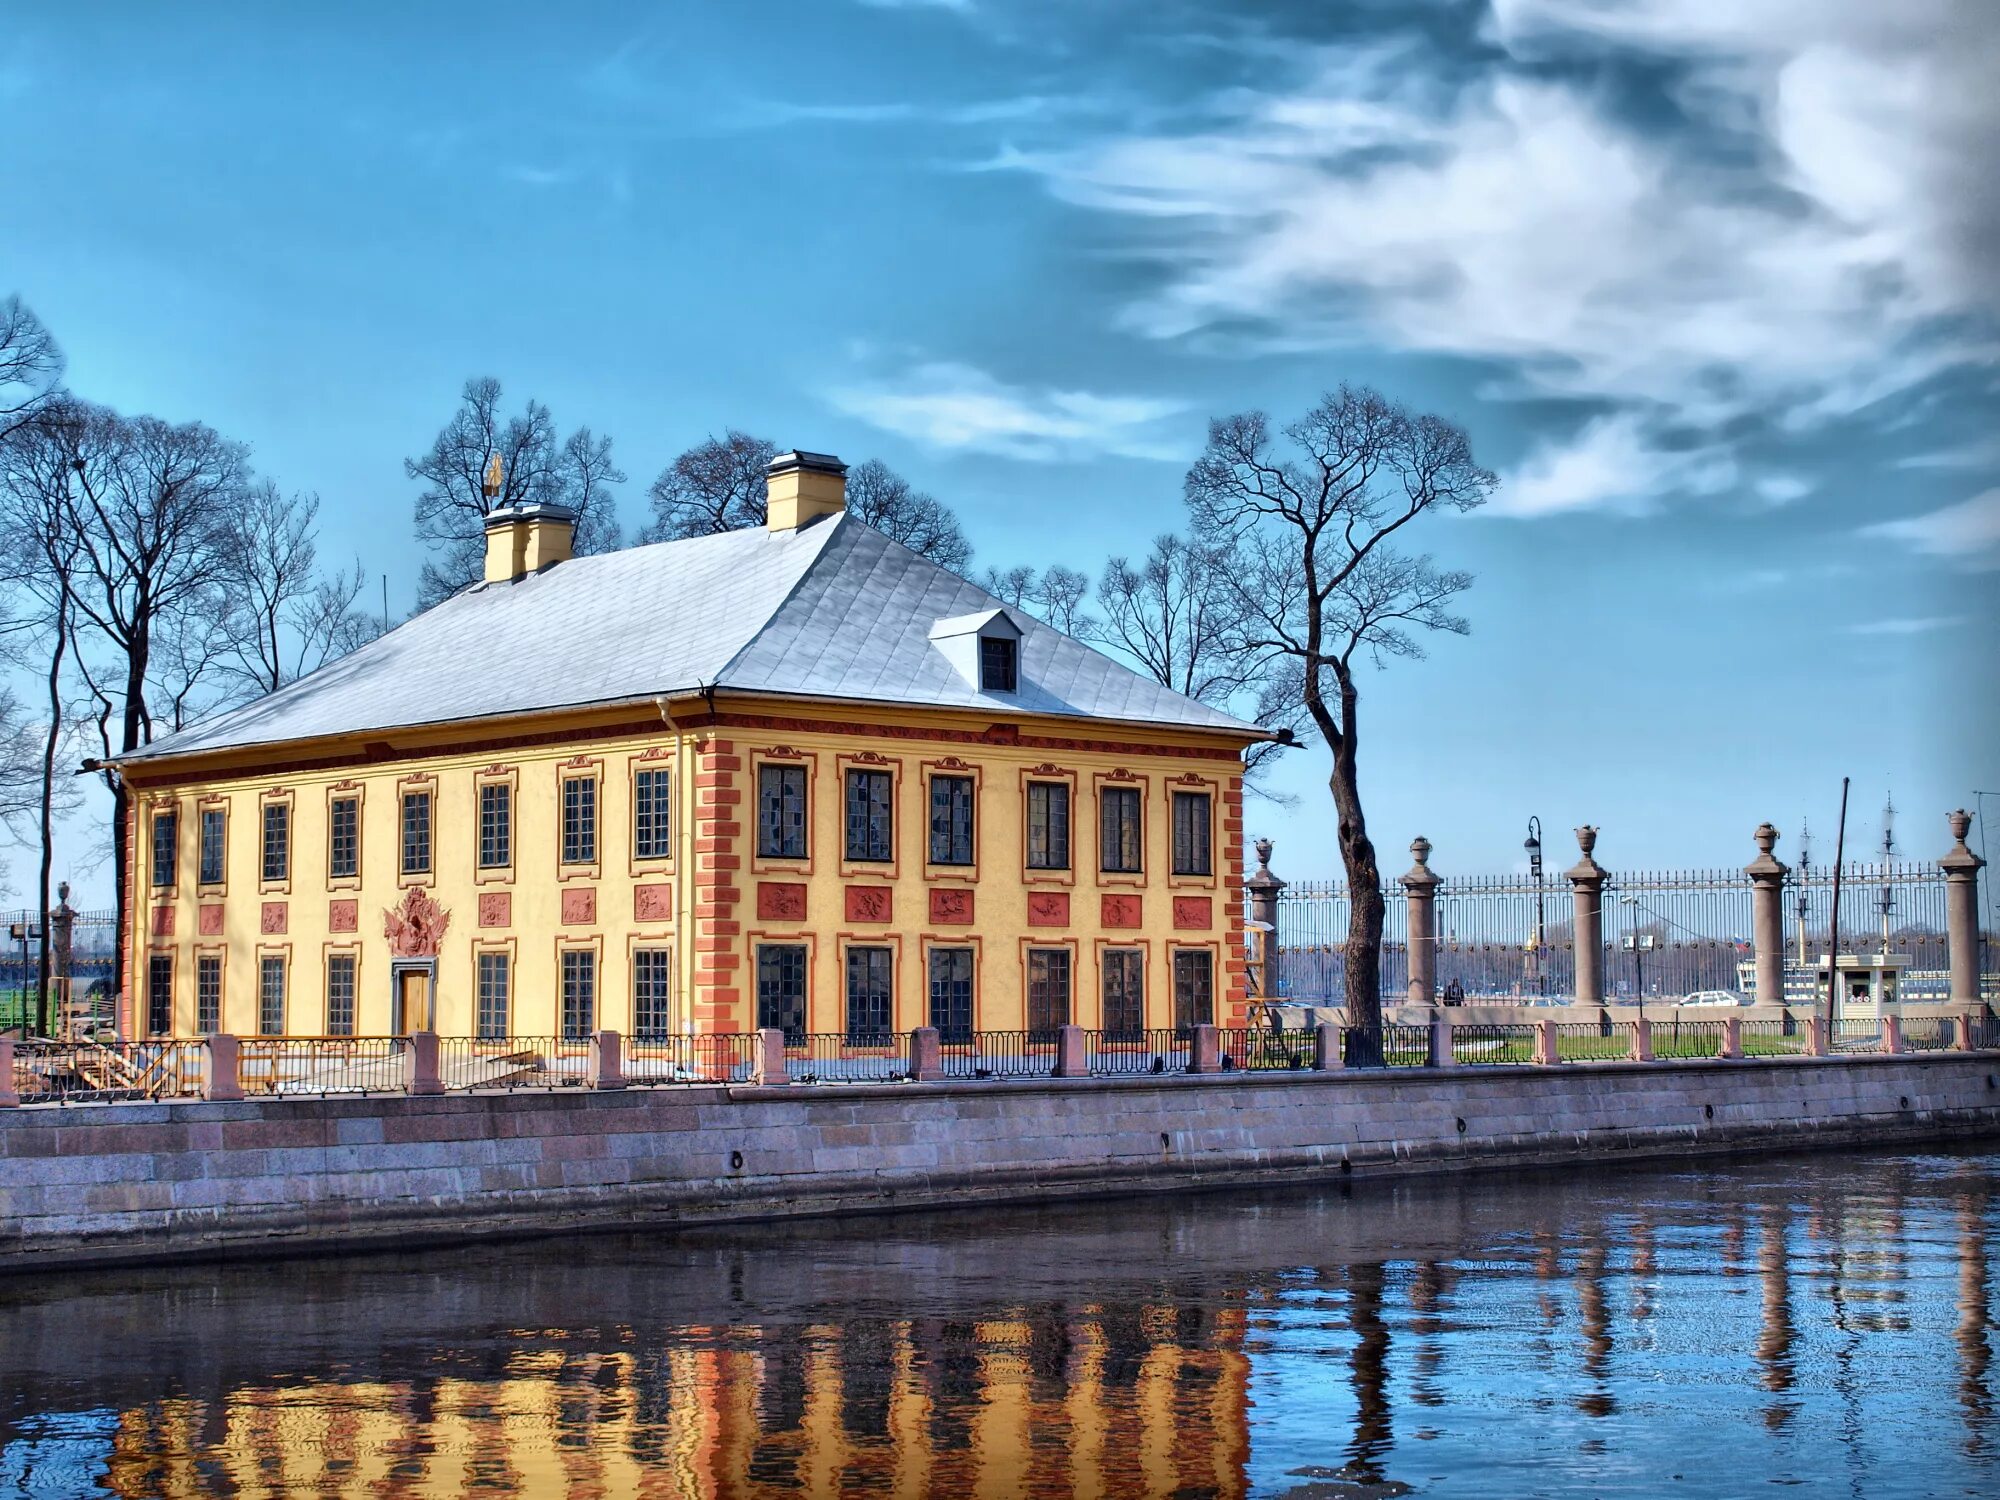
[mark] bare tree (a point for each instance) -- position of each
(1322, 586)
(284, 617)
(717, 485)
(880, 497)
(1058, 595)
(535, 468)
(30, 366)
(1010, 586)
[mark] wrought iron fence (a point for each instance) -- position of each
(1495, 1042)
(1260, 1048)
(321, 1064)
(1854, 1034)
(47, 1072)
(1675, 1037)
(515, 1062)
(87, 1010)
(1005, 1054)
(1593, 1041)
(656, 1062)
(1787, 1037)
(1402, 1046)
(1929, 1033)
(1109, 1054)
(847, 1057)
(1510, 936)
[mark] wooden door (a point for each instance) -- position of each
(412, 1001)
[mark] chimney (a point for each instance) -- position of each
(524, 539)
(804, 487)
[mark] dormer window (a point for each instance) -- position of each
(998, 658)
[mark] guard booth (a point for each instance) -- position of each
(1869, 984)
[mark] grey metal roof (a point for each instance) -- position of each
(833, 610)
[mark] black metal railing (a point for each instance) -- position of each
(847, 1057)
(514, 1062)
(658, 1062)
(1004, 1054)
(47, 1072)
(321, 1064)
(1484, 1043)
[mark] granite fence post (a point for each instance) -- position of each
(926, 1055)
(1070, 1059)
(420, 1065)
(1818, 1035)
(1586, 883)
(768, 1065)
(1892, 1033)
(607, 1061)
(1731, 1048)
(1421, 885)
(221, 1067)
(1548, 1043)
(1642, 1039)
(1961, 912)
(1264, 888)
(1767, 919)
(1327, 1055)
(9, 1097)
(1205, 1056)
(1437, 1053)
(1961, 1033)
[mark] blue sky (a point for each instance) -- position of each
(1712, 286)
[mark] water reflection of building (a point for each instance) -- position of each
(1149, 1400)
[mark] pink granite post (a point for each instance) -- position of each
(1548, 1043)
(606, 1069)
(1731, 1049)
(1439, 1055)
(1818, 1042)
(926, 1055)
(221, 1067)
(1642, 1039)
(9, 1096)
(1961, 1034)
(1892, 1034)
(1070, 1059)
(769, 1064)
(1206, 1054)
(420, 1065)
(1327, 1056)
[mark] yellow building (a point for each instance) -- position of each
(794, 776)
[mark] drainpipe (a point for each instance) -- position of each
(683, 806)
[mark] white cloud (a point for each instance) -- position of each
(1824, 237)
(948, 405)
(1923, 625)
(1968, 531)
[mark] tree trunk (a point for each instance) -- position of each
(49, 746)
(1364, 887)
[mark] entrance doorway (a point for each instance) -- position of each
(414, 996)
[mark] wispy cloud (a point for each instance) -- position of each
(1813, 235)
(767, 113)
(1968, 531)
(1921, 625)
(948, 405)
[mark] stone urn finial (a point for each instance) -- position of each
(1961, 863)
(1420, 849)
(1961, 824)
(1263, 848)
(1766, 837)
(1586, 839)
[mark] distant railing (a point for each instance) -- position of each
(320, 1064)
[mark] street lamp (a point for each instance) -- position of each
(22, 932)
(1533, 844)
(1638, 945)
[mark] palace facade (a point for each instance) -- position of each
(793, 776)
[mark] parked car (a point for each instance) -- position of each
(1715, 997)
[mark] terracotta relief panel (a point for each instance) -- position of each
(496, 908)
(163, 921)
(579, 905)
(1048, 909)
(209, 921)
(1193, 913)
(653, 903)
(869, 903)
(951, 907)
(781, 901)
(273, 917)
(416, 926)
(343, 916)
(1121, 911)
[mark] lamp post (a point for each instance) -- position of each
(22, 933)
(1640, 944)
(1533, 844)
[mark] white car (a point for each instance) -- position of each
(1715, 997)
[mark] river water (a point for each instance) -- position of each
(1822, 1324)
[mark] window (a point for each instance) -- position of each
(212, 866)
(1194, 987)
(579, 815)
(277, 842)
(166, 834)
(1048, 991)
(416, 833)
(1120, 839)
(160, 994)
(1048, 825)
(271, 995)
(781, 988)
(207, 993)
(869, 985)
(1124, 992)
(340, 994)
(1192, 854)
(781, 812)
(997, 659)
(870, 830)
(491, 986)
(652, 994)
(579, 993)
(951, 820)
(343, 838)
(652, 816)
(951, 993)
(496, 825)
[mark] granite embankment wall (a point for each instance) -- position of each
(147, 1181)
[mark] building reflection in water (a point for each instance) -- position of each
(1152, 1350)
